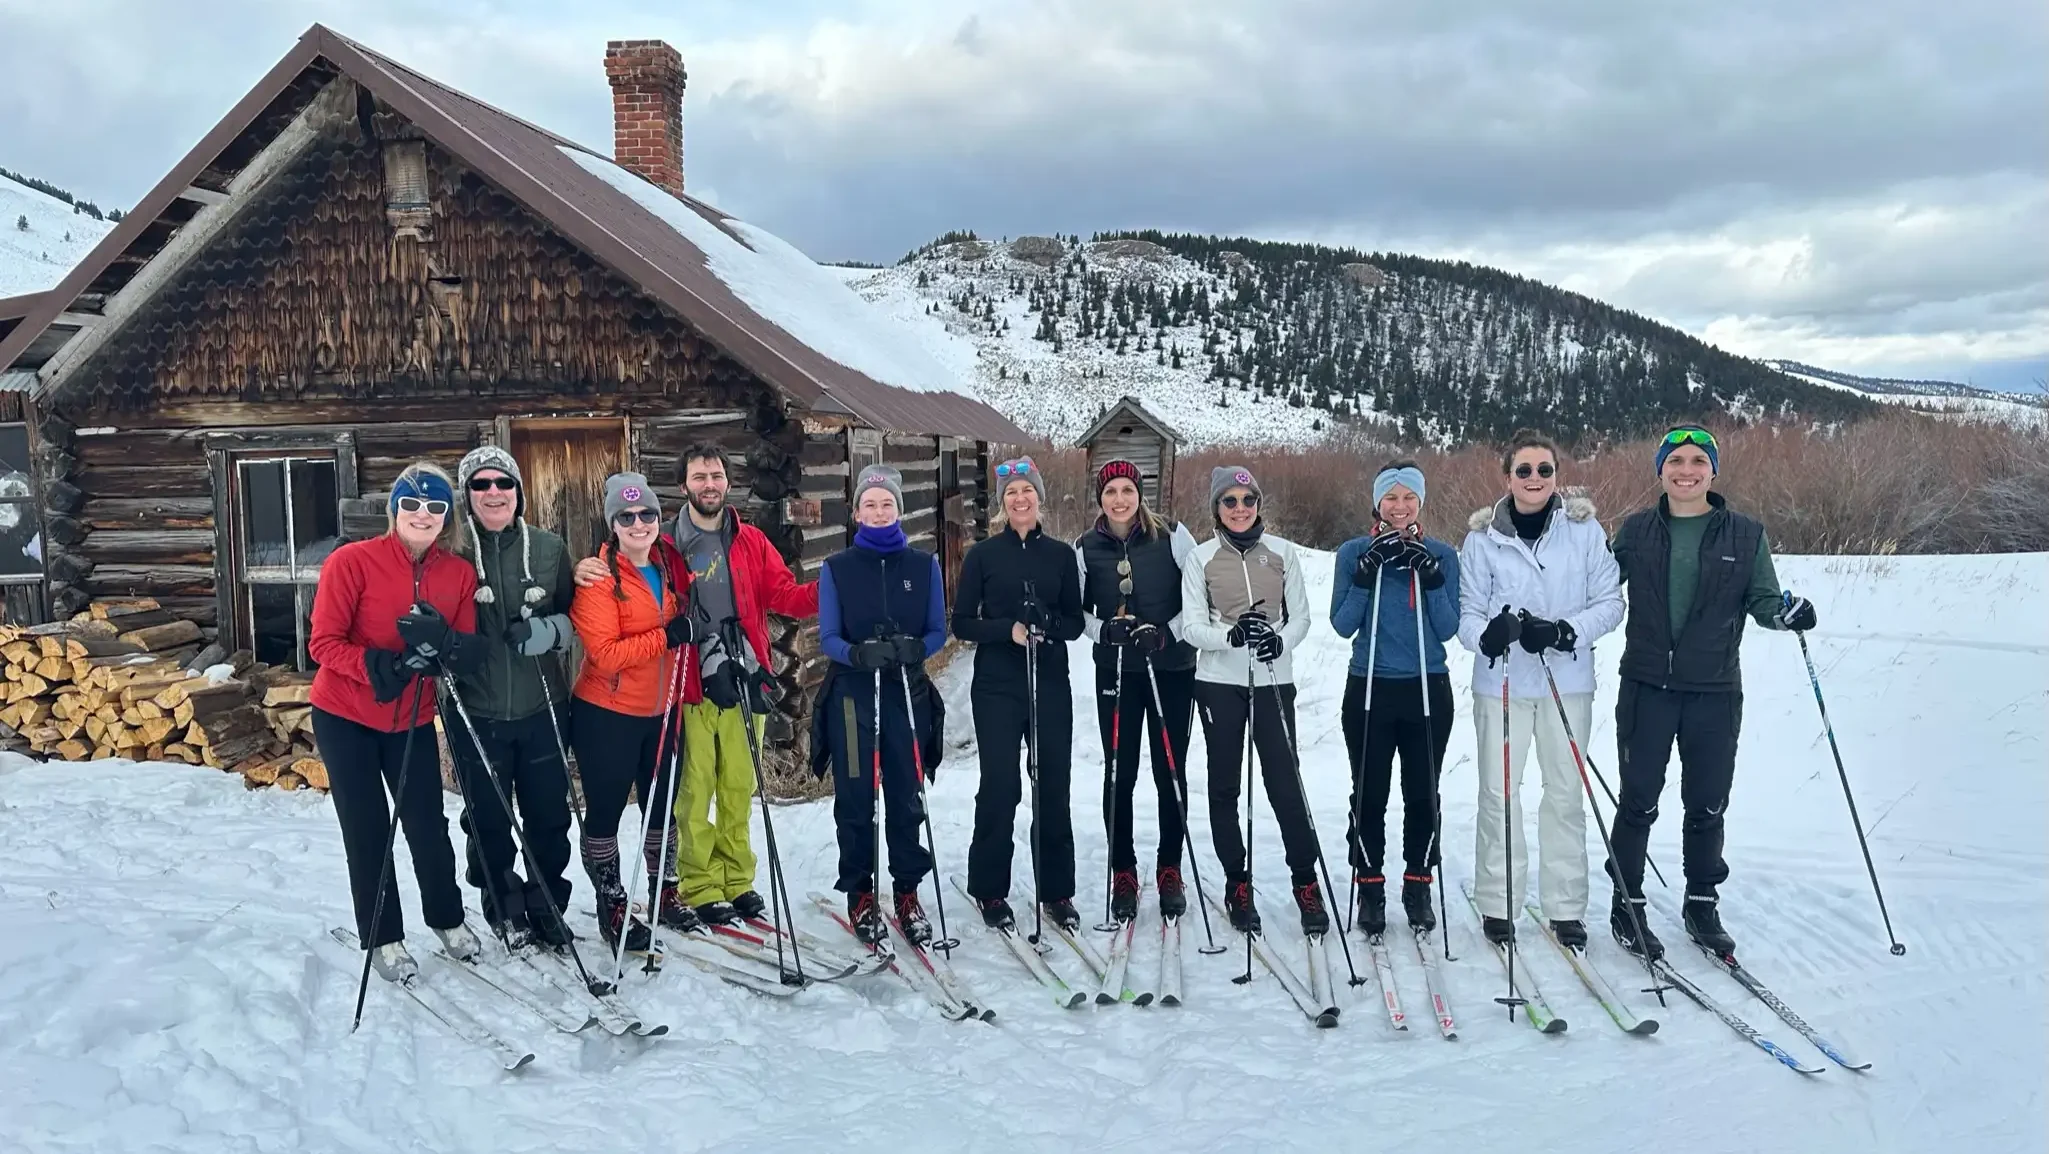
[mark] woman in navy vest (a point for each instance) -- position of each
(881, 613)
(1131, 606)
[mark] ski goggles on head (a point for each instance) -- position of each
(418, 504)
(1019, 468)
(1701, 437)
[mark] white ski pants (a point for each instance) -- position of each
(1561, 815)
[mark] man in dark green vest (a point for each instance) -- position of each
(1694, 569)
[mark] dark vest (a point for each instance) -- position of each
(886, 592)
(1155, 591)
(1705, 656)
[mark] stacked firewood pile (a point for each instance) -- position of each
(127, 679)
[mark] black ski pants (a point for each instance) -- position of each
(1270, 712)
(527, 764)
(1395, 726)
(1647, 722)
(1130, 722)
(361, 764)
(615, 754)
(850, 730)
(1002, 729)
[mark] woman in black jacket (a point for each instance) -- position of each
(1145, 675)
(1019, 601)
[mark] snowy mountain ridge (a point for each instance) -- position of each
(41, 237)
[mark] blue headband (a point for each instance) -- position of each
(417, 483)
(1408, 476)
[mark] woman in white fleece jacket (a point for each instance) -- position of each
(1537, 586)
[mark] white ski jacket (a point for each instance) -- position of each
(1568, 575)
(1218, 583)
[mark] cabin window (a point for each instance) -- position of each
(288, 519)
(21, 539)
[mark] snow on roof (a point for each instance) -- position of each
(789, 289)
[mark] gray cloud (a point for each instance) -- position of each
(1866, 179)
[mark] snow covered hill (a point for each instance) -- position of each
(41, 237)
(161, 986)
(1937, 398)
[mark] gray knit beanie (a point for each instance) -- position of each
(1020, 469)
(880, 477)
(476, 461)
(1225, 477)
(625, 490)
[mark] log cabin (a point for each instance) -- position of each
(359, 267)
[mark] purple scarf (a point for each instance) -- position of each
(886, 540)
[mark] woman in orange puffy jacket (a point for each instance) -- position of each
(620, 719)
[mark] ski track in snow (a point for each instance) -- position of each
(163, 984)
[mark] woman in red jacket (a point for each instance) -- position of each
(389, 616)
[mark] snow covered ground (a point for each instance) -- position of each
(37, 257)
(161, 989)
(2020, 410)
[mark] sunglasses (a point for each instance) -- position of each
(1249, 501)
(1544, 470)
(417, 504)
(1701, 437)
(486, 484)
(644, 516)
(1124, 577)
(1017, 468)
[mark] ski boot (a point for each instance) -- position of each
(911, 919)
(394, 964)
(996, 913)
(1124, 895)
(1238, 904)
(750, 906)
(1063, 914)
(550, 932)
(1416, 902)
(1704, 925)
(866, 918)
(717, 914)
(459, 943)
(1173, 895)
(1369, 915)
(1570, 932)
(1624, 928)
(1499, 931)
(613, 916)
(1315, 915)
(672, 913)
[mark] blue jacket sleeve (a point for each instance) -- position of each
(1442, 602)
(1348, 602)
(831, 638)
(935, 613)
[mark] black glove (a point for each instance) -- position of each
(1267, 647)
(1537, 635)
(1147, 637)
(1500, 633)
(425, 631)
(876, 653)
(387, 673)
(1249, 628)
(910, 650)
(1429, 573)
(519, 632)
(1796, 613)
(724, 685)
(683, 629)
(762, 692)
(1117, 631)
(1033, 616)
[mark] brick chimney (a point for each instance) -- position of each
(647, 109)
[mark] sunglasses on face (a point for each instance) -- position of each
(1017, 468)
(1544, 470)
(486, 484)
(1701, 437)
(1249, 501)
(418, 504)
(627, 519)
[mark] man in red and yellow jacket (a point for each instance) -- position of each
(737, 578)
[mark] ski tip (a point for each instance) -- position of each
(1170, 1001)
(1555, 1026)
(1644, 1027)
(1143, 999)
(519, 1063)
(1106, 999)
(1327, 1021)
(1076, 1000)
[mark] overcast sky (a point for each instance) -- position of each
(1859, 183)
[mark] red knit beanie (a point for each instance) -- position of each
(1112, 470)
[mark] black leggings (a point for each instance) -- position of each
(1396, 725)
(361, 763)
(615, 753)
(1226, 712)
(1140, 726)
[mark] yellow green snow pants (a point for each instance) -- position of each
(715, 860)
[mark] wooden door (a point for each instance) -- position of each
(565, 463)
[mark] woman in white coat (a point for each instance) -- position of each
(1537, 584)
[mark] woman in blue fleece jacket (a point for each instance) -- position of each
(1381, 580)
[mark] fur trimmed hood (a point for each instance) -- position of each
(1577, 504)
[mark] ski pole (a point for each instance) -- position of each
(1031, 756)
(1899, 948)
(1251, 898)
(946, 942)
(875, 784)
(1308, 813)
(594, 985)
(1635, 911)
(1181, 800)
(1110, 793)
(384, 870)
(468, 822)
(780, 911)
(1512, 1000)
(1358, 833)
(1615, 804)
(666, 742)
(561, 746)
(1433, 860)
